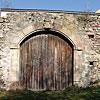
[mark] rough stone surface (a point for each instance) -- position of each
(78, 28)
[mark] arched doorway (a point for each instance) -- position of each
(46, 61)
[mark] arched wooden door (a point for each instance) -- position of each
(46, 63)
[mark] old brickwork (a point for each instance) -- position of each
(82, 29)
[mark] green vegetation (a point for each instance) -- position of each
(72, 93)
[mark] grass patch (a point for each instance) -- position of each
(72, 93)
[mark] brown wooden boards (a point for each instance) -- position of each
(46, 63)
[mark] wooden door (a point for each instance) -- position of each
(46, 63)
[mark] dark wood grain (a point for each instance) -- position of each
(46, 63)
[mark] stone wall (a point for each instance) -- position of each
(82, 29)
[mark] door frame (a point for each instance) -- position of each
(52, 31)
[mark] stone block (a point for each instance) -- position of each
(28, 30)
(1, 26)
(47, 25)
(1, 33)
(14, 46)
(1, 20)
(15, 40)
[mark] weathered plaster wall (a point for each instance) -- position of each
(15, 26)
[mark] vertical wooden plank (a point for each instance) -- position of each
(63, 80)
(21, 65)
(46, 66)
(64, 62)
(65, 68)
(32, 70)
(26, 71)
(60, 65)
(24, 67)
(21, 77)
(70, 68)
(25, 56)
(52, 70)
(47, 63)
(22, 60)
(35, 63)
(40, 63)
(42, 57)
(66, 65)
(56, 63)
(30, 66)
(31, 63)
(56, 71)
(58, 55)
(27, 52)
(48, 82)
(58, 58)
(65, 51)
(48, 70)
(52, 63)
(43, 60)
(38, 58)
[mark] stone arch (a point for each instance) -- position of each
(54, 33)
(25, 33)
(37, 30)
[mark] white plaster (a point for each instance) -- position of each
(3, 14)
